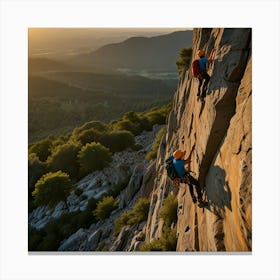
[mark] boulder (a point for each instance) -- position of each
(133, 187)
(93, 240)
(74, 241)
(136, 241)
(123, 239)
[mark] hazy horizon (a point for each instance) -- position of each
(62, 42)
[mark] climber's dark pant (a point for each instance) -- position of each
(191, 181)
(203, 82)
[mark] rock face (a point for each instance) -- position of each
(220, 132)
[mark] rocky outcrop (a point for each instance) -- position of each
(133, 187)
(74, 241)
(126, 163)
(100, 236)
(121, 243)
(220, 132)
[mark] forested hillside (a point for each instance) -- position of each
(59, 199)
(60, 101)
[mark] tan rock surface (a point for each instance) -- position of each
(220, 130)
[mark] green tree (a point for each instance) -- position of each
(93, 156)
(105, 207)
(141, 210)
(52, 188)
(36, 169)
(136, 215)
(156, 117)
(145, 123)
(122, 221)
(184, 60)
(132, 116)
(88, 136)
(125, 124)
(118, 141)
(42, 149)
(167, 242)
(97, 125)
(64, 158)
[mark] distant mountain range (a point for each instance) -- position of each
(39, 64)
(67, 93)
(158, 53)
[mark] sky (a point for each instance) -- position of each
(69, 41)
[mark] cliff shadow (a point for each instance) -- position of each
(217, 191)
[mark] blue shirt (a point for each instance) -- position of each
(202, 63)
(179, 165)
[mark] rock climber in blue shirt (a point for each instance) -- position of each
(203, 76)
(184, 176)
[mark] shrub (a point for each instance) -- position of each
(62, 139)
(145, 123)
(167, 242)
(93, 156)
(96, 125)
(141, 210)
(137, 122)
(131, 116)
(184, 61)
(52, 188)
(36, 169)
(153, 153)
(118, 141)
(156, 117)
(122, 221)
(105, 207)
(138, 214)
(64, 158)
(42, 149)
(168, 212)
(125, 124)
(88, 136)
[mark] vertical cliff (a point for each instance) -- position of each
(220, 132)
